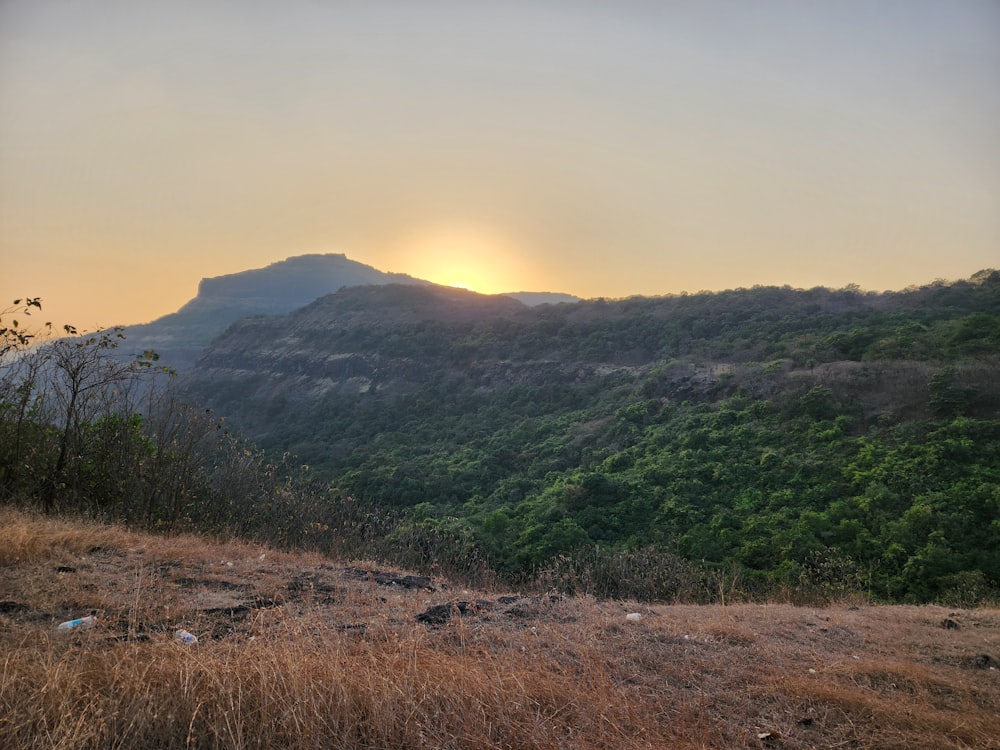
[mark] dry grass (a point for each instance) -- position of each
(303, 652)
(28, 539)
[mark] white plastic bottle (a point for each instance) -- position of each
(188, 639)
(81, 623)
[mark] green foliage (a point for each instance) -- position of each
(948, 398)
(84, 431)
(757, 442)
(822, 441)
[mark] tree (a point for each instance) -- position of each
(20, 370)
(87, 382)
(14, 337)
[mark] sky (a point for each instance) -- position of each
(594, 148)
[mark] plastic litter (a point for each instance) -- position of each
(188, 639)
(633, 617)
(81, 623)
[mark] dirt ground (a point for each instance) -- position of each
(743, 675)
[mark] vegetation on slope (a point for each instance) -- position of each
(800, 443)
(813, 439)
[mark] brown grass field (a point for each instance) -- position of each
(300, 651)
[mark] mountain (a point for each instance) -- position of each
(542, 298)
(278, 288)
(394, 337)
(281, 287)
(836, 437)
(386, 337)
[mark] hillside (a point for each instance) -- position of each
(279, 288)
(179, 338)
(820, 439)
(820, 335)
(306, 651)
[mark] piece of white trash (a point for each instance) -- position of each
(81, 623)
(633, 617)
(185, 637)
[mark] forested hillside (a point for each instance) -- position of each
(829, 440)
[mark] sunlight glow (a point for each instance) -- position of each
(461, 255)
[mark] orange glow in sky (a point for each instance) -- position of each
(596, 149)
(465, 256)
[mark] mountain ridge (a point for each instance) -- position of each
(278, 288)
(784, 431)
(382, 336)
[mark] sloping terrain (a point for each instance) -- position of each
(221, 300)
(281, 287)
(307, 652)
(818, 436)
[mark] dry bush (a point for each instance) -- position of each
(29, 538)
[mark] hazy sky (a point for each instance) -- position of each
(596, 148)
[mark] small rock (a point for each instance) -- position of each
(442, 613)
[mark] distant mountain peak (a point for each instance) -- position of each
(542, 298)
(287, 284)
(281, 287)
(293, 283)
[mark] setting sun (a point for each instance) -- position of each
(495, 146)
(463, 256)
